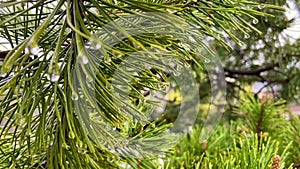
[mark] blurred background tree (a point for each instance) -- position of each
(271, 58)
(265, 63)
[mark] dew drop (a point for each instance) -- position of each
(180, 44)
(83, 152)
(206, 60)
(266, 19)
(246, 36)
(83, 59)
(89, 79)
(176, 73)
(186, 65)
(40, 55)
(19, 157)
(173, 64)
(136, 45)
(48, 76)
(241, 43)
(27, 50)
(65, 146)
(74, 96)
(13, 165)
(34, 49)
(71, 135)
(80, 144)
(148, 67)
(53, 77)
(197, 26)
(93, 9)
(89, 85)
(98, 46)
(192, 39)
(32, 56)
(171, 11)
(135, 74)
(261, 6)
(255, 21)
(107, 60)
(3, 74)
(178, 68)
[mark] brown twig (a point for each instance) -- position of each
(251, 72)
(259, 124)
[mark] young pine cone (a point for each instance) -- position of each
(276, 162)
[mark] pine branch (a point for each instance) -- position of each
(255, 72)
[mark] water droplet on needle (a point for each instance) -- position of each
(74, 96)
(255, 21)
(34, 50)
(33, 47)
(53, 77)
(83, 58)
(261, 6)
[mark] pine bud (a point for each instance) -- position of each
(204, 146)
(276, 162)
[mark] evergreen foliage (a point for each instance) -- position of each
(45, 79)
